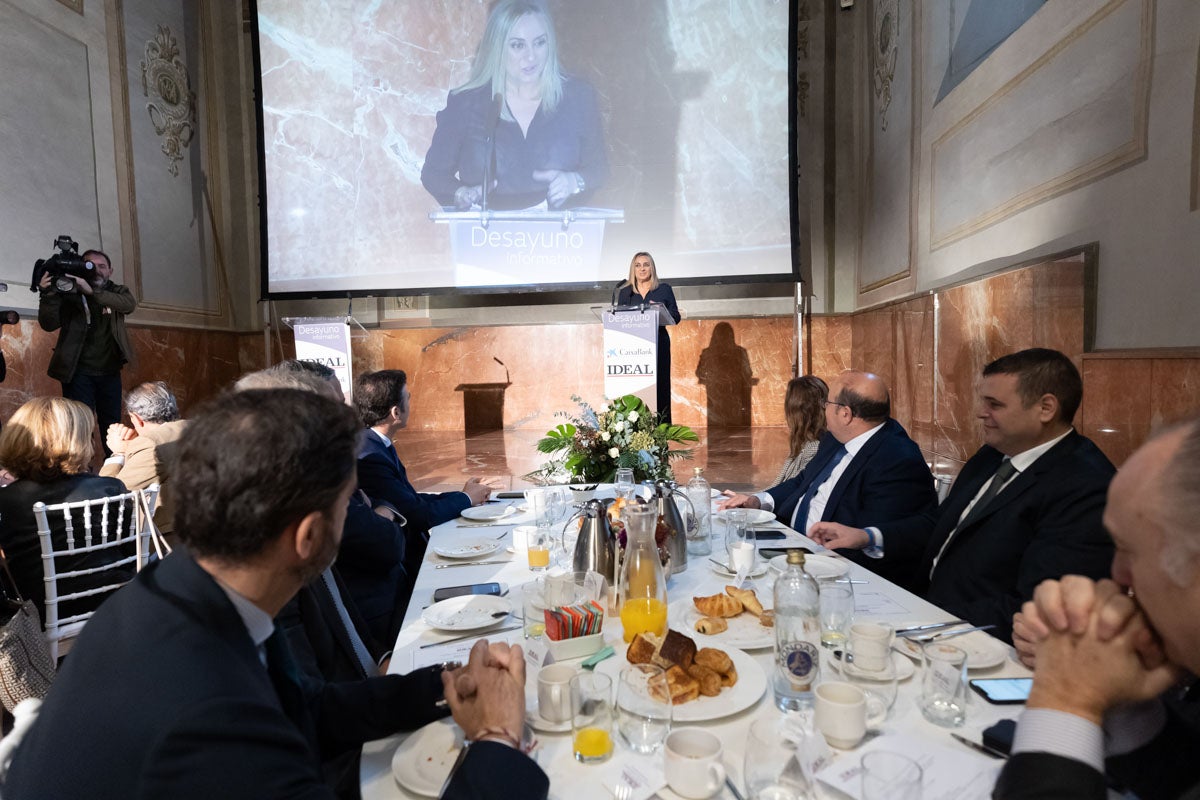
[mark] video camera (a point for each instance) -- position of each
(63, 266)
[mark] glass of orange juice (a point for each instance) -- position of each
(591, 717)
(538, 542)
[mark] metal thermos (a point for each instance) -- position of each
(668, 515)
(595, 549)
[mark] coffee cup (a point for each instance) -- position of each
(840, 710)
(692, 763)
(872, 645)
(554, 692)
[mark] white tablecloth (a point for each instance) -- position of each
(579, 782)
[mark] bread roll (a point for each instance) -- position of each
(710, 681)
(716, 660)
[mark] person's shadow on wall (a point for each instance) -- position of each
(724, 372)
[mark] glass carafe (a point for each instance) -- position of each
(643, 584)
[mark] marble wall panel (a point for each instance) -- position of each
(1117, 403)
(831, 342)
(731, 373)
(1174, 389)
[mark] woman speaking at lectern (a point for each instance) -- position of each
(643, 286)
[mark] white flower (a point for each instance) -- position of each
(613, 452)
(604, 409)
(605, 435)
(620, 426)
(633, 416)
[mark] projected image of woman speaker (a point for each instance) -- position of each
(521, 125)
(643, 286)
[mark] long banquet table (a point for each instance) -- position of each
(876, 599)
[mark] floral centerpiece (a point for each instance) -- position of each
(592, 445)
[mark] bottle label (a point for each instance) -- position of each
(799, 662)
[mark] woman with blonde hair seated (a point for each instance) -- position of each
(47, 445)
(804, 408)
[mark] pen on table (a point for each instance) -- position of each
(982, 748)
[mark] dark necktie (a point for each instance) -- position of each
(999, 479)
(800, 518)
(361, 654)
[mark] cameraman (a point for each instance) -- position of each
(92, 342)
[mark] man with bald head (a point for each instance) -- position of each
(1112, 656)
(866, 472)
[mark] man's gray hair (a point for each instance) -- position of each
(284, 376)
(1180, 507)
(153, 402)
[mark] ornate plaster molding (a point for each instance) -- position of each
(172, 107)
(885, 35)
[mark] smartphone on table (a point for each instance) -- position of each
(447, 592)
(1003, 691)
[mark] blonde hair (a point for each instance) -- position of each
(653, 272)
(488, 67)
(47, 438)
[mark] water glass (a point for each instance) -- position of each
(837, 611)
(540, 502)
(533, 609)
(741, 542)
(944, 685)
(591, 717)
(643, 707)
(625, 485)
(890, 776)
(772, 769)
(878, 683)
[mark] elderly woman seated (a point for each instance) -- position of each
(47, 446)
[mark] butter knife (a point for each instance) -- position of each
(937, 637)
(471, 564)
(933, 626)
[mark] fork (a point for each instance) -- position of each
(622, 792)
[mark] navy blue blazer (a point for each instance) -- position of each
(1046, 523)
(164, 695)
(371, 561)
(382, 476)
(887, 480)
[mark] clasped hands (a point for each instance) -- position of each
(1092, 648)
(560, 185)
(487, 694)
(117, 435)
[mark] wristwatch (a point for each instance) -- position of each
(579, 184)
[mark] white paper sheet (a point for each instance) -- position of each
(949, 773)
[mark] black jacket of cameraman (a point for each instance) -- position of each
(66, 313)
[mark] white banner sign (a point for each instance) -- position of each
(631, 355)
(326, 340)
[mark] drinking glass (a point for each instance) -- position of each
(890, 776)
(741, 542)
(772, 770)
(944, 685)
(533, 608)
(643, 707)
(625, 485)
(878, 684)
(837, 611)
(591, 717)
(539, 542)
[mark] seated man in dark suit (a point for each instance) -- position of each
(1026, 507)
(1107, 666)
(263, 482)
(384, 404)
(866, 472)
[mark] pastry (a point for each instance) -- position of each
(683, 687)
(714, 659)
(709, 680)
(711, 625)
(767, 619)
(642, 649)
(676, 648)
(718, 605)
(747, 597)
(729, 678)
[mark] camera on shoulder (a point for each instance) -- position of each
(63, 266)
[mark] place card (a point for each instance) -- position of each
(949, 773)
(876, 604)
(642, 774)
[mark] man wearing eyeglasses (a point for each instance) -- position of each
(867, 472)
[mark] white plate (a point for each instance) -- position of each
(423, 761)
(983, 651)
(904, 668)
(744, 630)
(754, 516)
(489, 511)
(540, 723)
(759, 569)
(466, 613)
(752, 682)
(817, 566)
(467, 548)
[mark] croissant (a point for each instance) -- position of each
(718, 605)
(747, 597)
